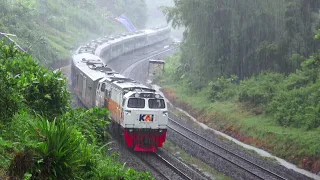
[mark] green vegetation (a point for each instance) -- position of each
(261, 111)
(253, 69)
(51, 29)
(244, 38)
(41, 137)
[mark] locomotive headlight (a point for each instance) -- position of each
(165, 113)
(157, 96)
(160, 130)
(130, 130)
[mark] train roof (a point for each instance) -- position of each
(87, 60)
(92, 66)
(126, 84)
(144, 94)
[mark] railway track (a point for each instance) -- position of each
(249, 167)
(164, 168)
(255, 170)
(153, 54)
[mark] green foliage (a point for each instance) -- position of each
(174, 68)
(246, 38)
(61, 152)
(298, 107)
(49, 29)
(107, 169)
(297, 104)
(261, 89)
(24, 80)
(60, 149)
(287, 141)
(64, 148)
(91, 123)
(5, 157)
(223, 88)
(63, 143)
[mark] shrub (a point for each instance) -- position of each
(107, 169)
(9, 96)
(5, 147)
(92, 123)
(298, 107)
(58, 150)
(261, 89)
(24, 80)
(223, 88)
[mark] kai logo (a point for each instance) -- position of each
(146, 118)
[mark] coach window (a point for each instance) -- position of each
(136, 103)
(103, 87)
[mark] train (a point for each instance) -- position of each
(138, 113)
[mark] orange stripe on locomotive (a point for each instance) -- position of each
(114, 109)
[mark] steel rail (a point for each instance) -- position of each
(230, 152)
(153, 167)
(171, 166)
(148, 57)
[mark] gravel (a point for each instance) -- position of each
(212, 160)
(223, 165)
(131, 160)
(186, 169)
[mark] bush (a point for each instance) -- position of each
(9, 96)
(57, 150)
(298, 107)
(24, 80)
(261, 89)
(60, 145)
(5, 156)
(107, 169)
(223, 88)
(92, 123)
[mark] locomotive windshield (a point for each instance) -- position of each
(156, 104)
(136, 103)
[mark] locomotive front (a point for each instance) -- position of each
(145, 118)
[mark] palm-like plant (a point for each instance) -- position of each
(62, 150)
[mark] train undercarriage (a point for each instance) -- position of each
(140, 140)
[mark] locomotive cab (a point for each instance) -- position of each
(145, 118)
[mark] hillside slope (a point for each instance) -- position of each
(50, 29)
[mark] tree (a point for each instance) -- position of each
(245, 37)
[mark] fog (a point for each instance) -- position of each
(156, 17)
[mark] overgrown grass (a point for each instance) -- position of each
(246, 121)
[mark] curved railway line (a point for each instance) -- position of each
(166, 167)
(255, 170)
(245, 165)
(153, 54)
(209, 145)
